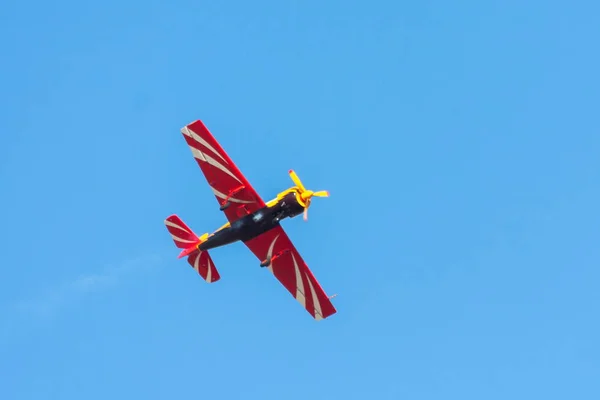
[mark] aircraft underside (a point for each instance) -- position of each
(255, 224)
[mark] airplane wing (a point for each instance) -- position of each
(228, 184)
(290, 269)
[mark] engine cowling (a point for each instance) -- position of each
(290, 205)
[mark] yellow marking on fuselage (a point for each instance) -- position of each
(280, 196)
(227, 225)
(271, 203)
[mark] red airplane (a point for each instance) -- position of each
(251, 221)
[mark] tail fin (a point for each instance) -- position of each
(187, 240)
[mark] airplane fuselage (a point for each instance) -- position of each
(255, 224)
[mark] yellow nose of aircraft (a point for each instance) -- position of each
(306, 195)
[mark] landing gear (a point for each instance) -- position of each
(232, 193)
(266, 263)
(269, 260)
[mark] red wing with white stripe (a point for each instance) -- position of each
(224, 178)
(290, 269)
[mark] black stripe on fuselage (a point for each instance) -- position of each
(255, 224)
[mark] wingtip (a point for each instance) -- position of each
(189, 124)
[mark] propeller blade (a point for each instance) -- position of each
(305, 194)
(296, 180)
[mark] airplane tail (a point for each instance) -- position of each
(187, 240)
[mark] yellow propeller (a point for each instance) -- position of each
(306, 195)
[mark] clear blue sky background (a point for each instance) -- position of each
(460, 144)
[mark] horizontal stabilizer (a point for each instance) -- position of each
(203, 264)
(187, 240)
(183, 236)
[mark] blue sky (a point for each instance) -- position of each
(460, 145)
